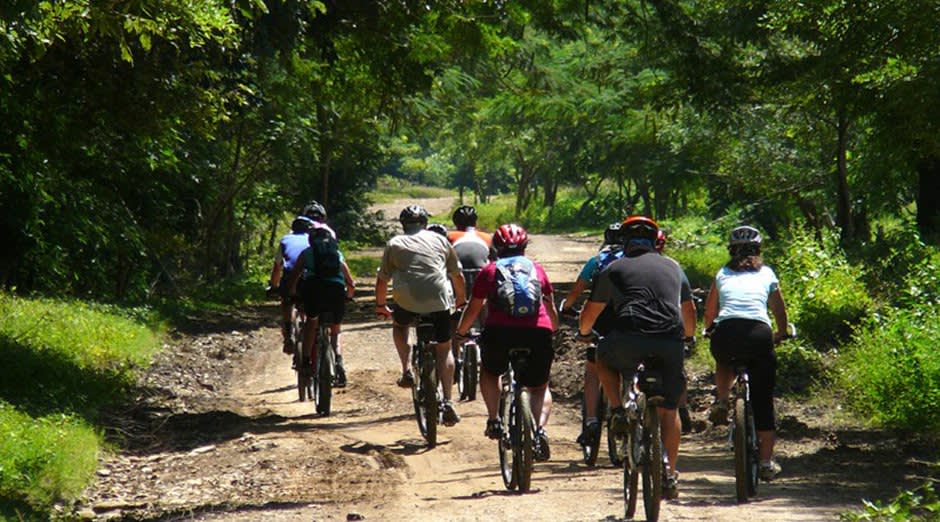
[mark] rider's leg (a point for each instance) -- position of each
(540, 400)
(610, 382)
(489, 388)
(335, 330)
(591, 390)
(724, 378)
(766, 440)
(445, 367)
(400, 336)
(669, 426)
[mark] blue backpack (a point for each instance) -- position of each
(606, 257)
(518, 289)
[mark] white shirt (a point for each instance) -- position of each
(744, 294)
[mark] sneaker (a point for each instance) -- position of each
(619, 423)
(339, 380)
(494, 429)
(449, 414)
(718, 414)
(407, 379)
(685, 419)
(591, 433)
(769, 470)
(542, 451)
(671, 486)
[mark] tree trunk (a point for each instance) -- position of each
(843, 198)
(928, 198)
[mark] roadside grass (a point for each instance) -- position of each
(362, 265)
(61, 362)
(389, 189)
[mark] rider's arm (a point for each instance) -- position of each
(688, 317)
(550, 309)
(452, 265)
(579, 286)
(589, 314)
(350, 282)
(293, 276)
(779, 309)
(469, 315)
(711, 306)
(277, 270)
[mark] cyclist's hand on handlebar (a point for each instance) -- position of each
(383, 311)
(270, 291)
(689, 344)
(566, 311)
(586, 338)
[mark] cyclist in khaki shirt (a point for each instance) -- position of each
(419, 263)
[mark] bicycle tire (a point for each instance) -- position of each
(324, 373)
(504, 445)
(459, 374)
(417, 394)
(471, 371)
(616, 446)
(631, 479)
(652, 469)
(430, 399)
(526, 447)
(753, 462)
(303, 385)
(740, 450)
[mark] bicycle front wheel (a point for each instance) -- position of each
(325, 362)
(524, 451)
(741, 468)
(652, 464)
(504, 444)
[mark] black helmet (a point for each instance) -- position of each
(438, 228)
(744, 235)
(314, 210)
(465, 216)
(413, 214)
(612, 234)
(301, 224)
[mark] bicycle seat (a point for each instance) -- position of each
(650, 378)
(425, 328)
(519, 356)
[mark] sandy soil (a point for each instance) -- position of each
(233, 443)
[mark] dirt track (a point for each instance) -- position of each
(247, 450)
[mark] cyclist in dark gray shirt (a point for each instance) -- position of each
(652, 301)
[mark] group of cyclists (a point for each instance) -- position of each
(639, 307)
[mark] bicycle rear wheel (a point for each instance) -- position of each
(325, 365)
(304, 388)
(524, 447)
(504, 444)
(429, 398)
(741, 468)
(753, 453)
(652, 469)
(470, 371)
(417, 391)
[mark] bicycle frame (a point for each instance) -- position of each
(743, 437)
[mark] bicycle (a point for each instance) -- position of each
(322, 384)
(643, 450)
(743, 433)
(517, 446)
(467, 368)
(425, 394)
(300, 362)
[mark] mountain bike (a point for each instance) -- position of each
(326, 366)
(426, 394)
(743, 433)
(517, 445)
(467, 369)
(644, 455)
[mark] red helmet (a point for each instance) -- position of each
(660, 242)
(510, 237)
(639, 227)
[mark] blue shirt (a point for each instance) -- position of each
(291, 247)
(593, 265)
(744, 294)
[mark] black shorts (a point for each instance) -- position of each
(622, 352)
(496, 342)
(750, 342)
(320, 297)
(441, 321)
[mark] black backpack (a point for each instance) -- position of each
(325, 250)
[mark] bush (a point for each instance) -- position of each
(799, 368)
(824, 293)
(891, 371)
(902, 269)
(920, 504)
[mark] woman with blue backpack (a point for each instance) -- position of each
(521, 315)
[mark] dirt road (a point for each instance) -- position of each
(247, 450)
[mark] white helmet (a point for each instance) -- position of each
(744, 235)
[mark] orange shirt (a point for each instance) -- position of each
(454, 235)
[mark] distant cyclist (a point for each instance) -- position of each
(472, 245)
(420, 262)
(438, 229)
(327, 285)
(521, 315)
(736, 308)
(611, 250)
(648, 294)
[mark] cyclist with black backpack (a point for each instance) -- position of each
(610, 251)
(327, 285)
(521, 315)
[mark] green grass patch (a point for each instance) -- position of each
(363, 265)
(42, 460)
(389, 189)
(61, 362)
